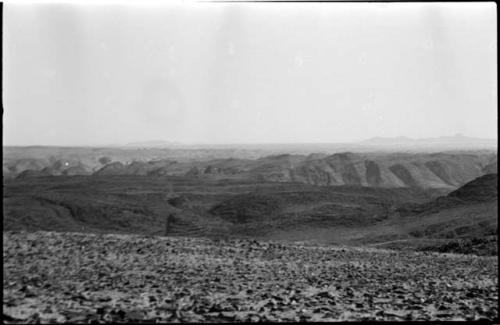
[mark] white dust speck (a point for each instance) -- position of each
(362, 58)
(298, 61)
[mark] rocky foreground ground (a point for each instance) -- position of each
(82, 278)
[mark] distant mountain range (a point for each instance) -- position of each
(400, 143)
(153, 144)
(456, 140)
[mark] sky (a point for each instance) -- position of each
(98, 74)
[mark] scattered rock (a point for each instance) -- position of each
(171, 280)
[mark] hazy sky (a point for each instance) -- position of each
(247, 72)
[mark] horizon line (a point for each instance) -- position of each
(165, 143)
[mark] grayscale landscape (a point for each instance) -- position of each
(271, 162)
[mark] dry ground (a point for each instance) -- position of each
(61, 277)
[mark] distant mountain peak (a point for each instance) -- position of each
(392, 138)
(457, 139)
(153, 143)
(387, 140)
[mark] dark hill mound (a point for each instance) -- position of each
(482, 189)
(457, 222)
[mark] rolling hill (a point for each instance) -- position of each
(388, 199)
(410, 218)
(140, 204)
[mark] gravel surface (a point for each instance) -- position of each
(82, 278)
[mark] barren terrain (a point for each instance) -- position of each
(59, 277)
(277, 238)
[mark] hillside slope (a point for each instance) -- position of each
(357, 215)
(461, 220)
(141, 204)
